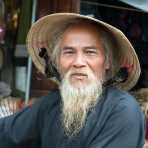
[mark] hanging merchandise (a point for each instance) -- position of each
(24, 24)
(9, 18)
(1, 58)
(20, 50)
(2, 32)
(2, 22)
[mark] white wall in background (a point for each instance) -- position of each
(20, 78)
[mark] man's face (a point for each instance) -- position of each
(81, 50)
(81, 65)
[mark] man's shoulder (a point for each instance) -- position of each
(115, 94)
(53, 97)
(119, 106)
(120, 99)
(114, 91)
(53, 94)
(119, 116)
(123, 102)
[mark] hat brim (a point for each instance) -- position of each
(41, 31)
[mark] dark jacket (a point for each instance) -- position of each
(115, 122)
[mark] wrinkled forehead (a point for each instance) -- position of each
(82, 32)
(73, 25)
(83, 25)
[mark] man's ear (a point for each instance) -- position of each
(107, 65)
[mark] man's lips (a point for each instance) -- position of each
(78, 75)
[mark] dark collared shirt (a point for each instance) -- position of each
(115, 122)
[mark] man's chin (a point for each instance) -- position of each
(78, 83)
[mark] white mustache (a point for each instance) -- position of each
(78, 72)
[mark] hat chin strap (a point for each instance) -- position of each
(50, 70)
(120, 77)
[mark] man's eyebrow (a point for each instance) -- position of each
(91, 47)
(67, 48)
(85, 47)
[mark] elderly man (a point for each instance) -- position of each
(94, 63)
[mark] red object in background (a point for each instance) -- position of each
(20, 104)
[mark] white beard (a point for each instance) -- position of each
(77, 101)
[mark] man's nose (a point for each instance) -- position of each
(79, 61)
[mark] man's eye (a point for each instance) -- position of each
(68, 52)
(91, 52)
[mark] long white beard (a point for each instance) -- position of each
(77, 101)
